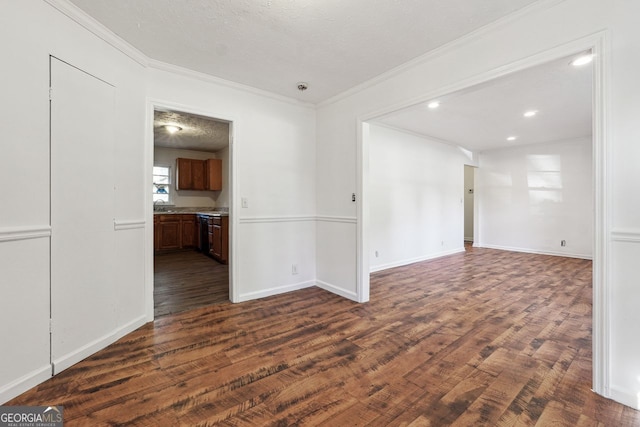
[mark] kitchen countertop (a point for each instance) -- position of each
(209, 213)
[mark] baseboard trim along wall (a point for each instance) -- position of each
(336, 290)
(87, 350)
(375, 268)
(626, 397)
(24, 383)
(534, 251)
(10, 234)
(275, 291)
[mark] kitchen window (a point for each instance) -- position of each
(161, 185)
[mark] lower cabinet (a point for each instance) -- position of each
(219, 238)
(174, 231)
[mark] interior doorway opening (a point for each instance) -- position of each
(191, 196)
(469, 204)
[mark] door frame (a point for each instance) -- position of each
(152, 105)
(598, 43)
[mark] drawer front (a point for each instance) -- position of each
(169, 218)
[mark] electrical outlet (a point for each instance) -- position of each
(245, 202)
(563, 243)
(294, 269)
(376, 254)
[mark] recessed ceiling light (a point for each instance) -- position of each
(530, 113)
(511, 138)
(433, 104)
(582, 60)
(172, 128)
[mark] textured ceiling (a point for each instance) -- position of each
(273, 44)
(482, 117)
(198, 133)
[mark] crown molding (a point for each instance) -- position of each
(95, 27)
(445, 48)
(89, 23)
(208, 78)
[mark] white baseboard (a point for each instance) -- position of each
(400, 263)
(87, 350)
(533, 251)
(24, 383)
(631, 398)
(275, 291)
(337, 290)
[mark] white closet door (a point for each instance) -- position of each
(82, 207)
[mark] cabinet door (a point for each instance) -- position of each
(189, 228)
(170, 235)
(216, 244)
(213, 174)
(197, 174)
(184, 180)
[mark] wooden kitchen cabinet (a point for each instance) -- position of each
(194, 174)
(175, 231)
(184, 178)
(219, 238)
(213, 174)
(169, 232)
(189, 231)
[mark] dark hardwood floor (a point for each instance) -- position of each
(483, 338)
(187, 279)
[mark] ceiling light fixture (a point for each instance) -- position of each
(511, 138)
(530, 113)
(433, 104)
(582, 60)
(172, 128)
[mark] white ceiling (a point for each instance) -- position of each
(336, 45)
(273, 44)
(198, 133)
(482, 117)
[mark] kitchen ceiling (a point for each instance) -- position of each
(484, 116)
(197, 132)
(273, 44)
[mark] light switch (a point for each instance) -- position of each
(245, 202)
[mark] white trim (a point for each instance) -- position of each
(80, 17)
(275, 291)
(342, 219)
(441, 50)
(625, 235)
(534, 251)
(337, 290)
(599, 43)
(69, 359)
(24, 383)
(128, 224)
(404, 262)
(10, 234)
(208, 78)
(627, 397)
(262, 219)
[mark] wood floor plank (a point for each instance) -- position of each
(486, 337)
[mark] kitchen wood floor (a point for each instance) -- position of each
(483, 338)
(187, 279)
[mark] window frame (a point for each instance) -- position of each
(170, 191)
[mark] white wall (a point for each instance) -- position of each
(532, 197)
(549, 26)
(415, 202)
(192, 198)
(31, 31)
(273, 167)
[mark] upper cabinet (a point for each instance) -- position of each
(194, 174)
(213, 174)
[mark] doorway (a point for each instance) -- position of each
(469, 191)
(191, 194)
